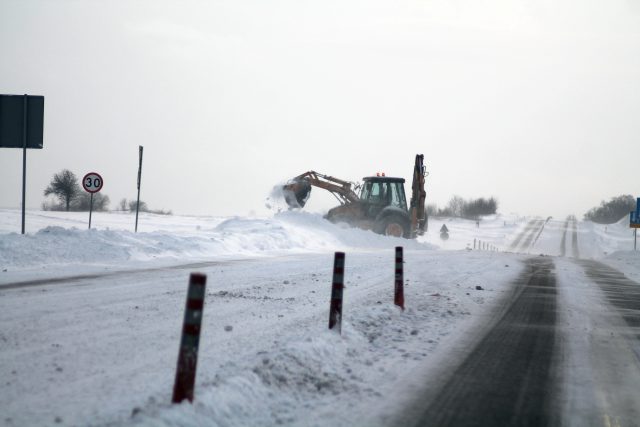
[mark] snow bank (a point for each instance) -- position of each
(288, 232)
(626, 261)
(315, 377)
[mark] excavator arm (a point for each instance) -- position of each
(419, 220)
(297, 191)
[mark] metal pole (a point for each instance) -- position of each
(140, 148)
(90, 210)
(24, 158)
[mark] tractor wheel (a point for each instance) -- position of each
(393, 225)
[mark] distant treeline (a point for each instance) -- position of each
(612, 211)
(461, 208)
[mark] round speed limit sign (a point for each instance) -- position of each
(92, 182)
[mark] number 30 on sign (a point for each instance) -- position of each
(92, 182)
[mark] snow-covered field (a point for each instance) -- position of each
(101, 349)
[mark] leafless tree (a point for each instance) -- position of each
(64, 185)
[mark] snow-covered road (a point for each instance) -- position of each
(99, 342)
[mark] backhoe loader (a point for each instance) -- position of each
(380, 205)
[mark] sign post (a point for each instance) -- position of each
(21, 126)
(92, 183)
(140, 148)
(634, 222)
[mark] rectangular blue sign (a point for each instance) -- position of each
(634, 217)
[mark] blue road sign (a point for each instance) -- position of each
(634, 219)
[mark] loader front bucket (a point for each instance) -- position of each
(296, 193)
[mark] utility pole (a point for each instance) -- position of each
(140, 148)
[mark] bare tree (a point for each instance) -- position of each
(143, 206)
(123, 204)
(64, 186)
(456, 206)
(83, 202)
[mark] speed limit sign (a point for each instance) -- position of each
(92, 182)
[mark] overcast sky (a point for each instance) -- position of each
(534, 102)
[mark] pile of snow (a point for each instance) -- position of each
(315, 377)
(600, 240)
(285, 233)
(626, 261)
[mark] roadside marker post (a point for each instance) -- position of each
(337, 290)
(474, 244)
(399, 285)
(188, 354)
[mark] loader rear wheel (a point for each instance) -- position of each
(393, 225)
(393, 229)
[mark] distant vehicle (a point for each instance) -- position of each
(381, 205)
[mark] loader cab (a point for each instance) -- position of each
(381, 191)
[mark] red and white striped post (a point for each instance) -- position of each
(399, 287)
(337, 287)
(188, 355)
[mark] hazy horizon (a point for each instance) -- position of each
(534, 103)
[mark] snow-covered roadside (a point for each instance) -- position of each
(79, 250)
(496, 230)
(611, 244)
(278, 364)
(93, 350)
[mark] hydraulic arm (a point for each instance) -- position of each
(296, 192)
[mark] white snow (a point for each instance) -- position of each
(95, 350)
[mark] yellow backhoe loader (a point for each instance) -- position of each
(380, 205)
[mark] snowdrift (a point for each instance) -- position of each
(285, 233)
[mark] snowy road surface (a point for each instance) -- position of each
(488, 338)
(508, 377)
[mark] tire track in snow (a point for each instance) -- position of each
(563, 243)
(620, 291)
(516, 242)
(115, 274)
(508, 378)
(600, 332)
(574, 237)
(533, 234)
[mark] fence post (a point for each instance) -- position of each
(337, 287)
(188, 355)
(399, 285)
